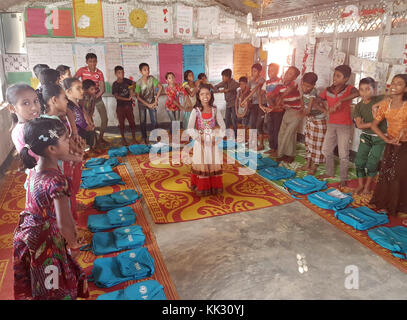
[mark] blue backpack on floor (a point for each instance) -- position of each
(117, 152)
(331, 199)
(276, 173)
(143, 290)
(263, 163)
(361, 218)
(120, 217)
(227, 144)
(305, 185)
(139, 149)
(94, 162)
(101, 180)
(96, 170)
(129, 265)
(393, 239)
(119, 239)
(97, 162)
(116, 200)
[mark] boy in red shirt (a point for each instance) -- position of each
(338, 98)
(94, 74)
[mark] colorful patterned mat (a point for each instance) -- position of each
(166, 189)
(12, 201)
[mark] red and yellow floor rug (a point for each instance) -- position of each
(166, 189)
(12, 201)
(361, 236)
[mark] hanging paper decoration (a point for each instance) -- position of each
(138, 18)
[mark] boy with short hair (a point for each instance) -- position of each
(88, 105)
(337, 99)
(315, 125)
(275, 116)
(242, 105)
(287, 96)
(96, 75)
(124, 97)
(229, 86)
(255, 84)
(145, 93)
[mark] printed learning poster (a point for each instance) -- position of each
(160, 22)
(184, 21)
(220, 57)
(88, 18)
(243, 57)
(114, 54)
(208, 21)
(170, 60)
(136, 53)
(193, 58)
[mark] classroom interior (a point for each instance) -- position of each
(255, 241)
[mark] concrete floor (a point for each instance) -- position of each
(253, 255)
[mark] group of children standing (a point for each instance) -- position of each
(53, 124)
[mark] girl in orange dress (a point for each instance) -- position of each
(390, 192)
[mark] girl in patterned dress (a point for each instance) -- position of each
(191, 89)
(172, 104)
(45, 237)
(206, 174)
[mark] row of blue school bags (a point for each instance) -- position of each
(116, 200)
(143, 290)
(391, 238)
(130, 265)
(101, 180)
(97, 162)
(120, 217)
(124, 238)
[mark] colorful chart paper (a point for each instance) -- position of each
(136, 53)
(193, 57)
(184, 24)
(88, 18)
(170, 60)
(49, 22)
(243, 57)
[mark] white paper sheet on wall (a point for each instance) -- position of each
(208, 20)
(369, 68)
(160, 22)
(355, 63)
(114, 54)
(338, 59)
(15, 62)
(184, 25)
(323, 60)
(136, 53)
(52, 54)
(220, 57)
(108, 20)
(121, 19)
(81, 50)
(227, 29)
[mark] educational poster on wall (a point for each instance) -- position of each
(160, 22)
(394, 46)
(136, 53)
(208, 21)
(193, 58)
(40, 53)
(396, 69)
(338, 59)
(220, 57)
(323, 60)
(228, 29)
(114, 54)
(115, 20)
(81, 50)
(355, 63)
(243, 59)
(184, 24)
(88, 18)
(170, 60)
(108, 20)
(15, 62)
(49, 22)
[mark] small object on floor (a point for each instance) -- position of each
(305, 185)
(391, 238)
(116, 200)
(120, 217)
(101, 180)
(129, 265)
(143, 290)
(138, 149)
(276, 173)
(118, 152)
